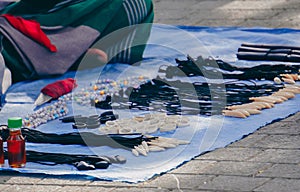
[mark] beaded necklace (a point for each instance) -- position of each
(47, 113)
(96, 92)
(99, 90)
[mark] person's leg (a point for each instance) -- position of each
(93, 13)
(106, 16)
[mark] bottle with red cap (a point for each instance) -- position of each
(16, 144)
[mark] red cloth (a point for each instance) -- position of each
(59, 88)
(31, 29)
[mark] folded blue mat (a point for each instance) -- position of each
(205, 133)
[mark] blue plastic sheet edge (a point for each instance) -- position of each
(219, 42)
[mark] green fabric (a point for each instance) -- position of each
(120, 21)
(94, 13)
(19, 71)
(106, 16)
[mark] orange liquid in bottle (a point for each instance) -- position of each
(1, 153)
(16, 149)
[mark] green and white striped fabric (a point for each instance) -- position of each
(106, 16)
(137, 12)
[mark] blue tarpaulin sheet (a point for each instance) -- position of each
(205, 133)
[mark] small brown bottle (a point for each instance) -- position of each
(1, 153)
(16, 144)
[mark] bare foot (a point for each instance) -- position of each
(101, 55)
(93, 58)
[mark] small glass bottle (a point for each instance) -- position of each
(16, 144)
(1, 153)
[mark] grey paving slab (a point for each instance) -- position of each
(62, 181)
(290, 171)
(219, 22)
(195, 167)
(275, 13)
(292, 15)
(233, 183)
(31, 188)
(265, 5)
(4, 186)
(237, 168)
(234, 154)
(85, 189)
(216, 14)
(281, 128)
(4, 179)
(249, 141)
(279, 141)
(281, 23)
(278, 156)
(269, 141)
(293, 118)
(178, 181)
(111, 184)
(290, 185)
(136, 189)
(210, 5)
(25, 180)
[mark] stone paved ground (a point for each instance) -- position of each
(268, 160)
